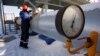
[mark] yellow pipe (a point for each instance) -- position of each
(91, 46)
(94, 38)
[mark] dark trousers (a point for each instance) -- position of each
(25, 33)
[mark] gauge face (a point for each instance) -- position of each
(73, 21)
(18, 21)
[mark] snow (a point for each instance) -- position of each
(37, 47)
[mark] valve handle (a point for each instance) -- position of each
(89, 40)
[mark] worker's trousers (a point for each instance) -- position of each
(25, 34)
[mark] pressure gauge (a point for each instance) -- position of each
(71, 22)
(18, 20)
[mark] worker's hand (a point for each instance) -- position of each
(68, 43)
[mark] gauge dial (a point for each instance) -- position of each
(73, 21)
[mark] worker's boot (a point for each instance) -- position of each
(24, 45)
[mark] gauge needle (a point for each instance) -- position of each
(72, 26)
(73, 23)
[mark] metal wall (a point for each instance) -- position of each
(2, 28)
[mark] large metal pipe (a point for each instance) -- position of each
(53, 24)
(45, 24)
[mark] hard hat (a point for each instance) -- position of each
(24, 7)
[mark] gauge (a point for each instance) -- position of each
(72, 21)
(19, 21)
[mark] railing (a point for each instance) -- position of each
(9, 23)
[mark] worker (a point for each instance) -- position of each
(25, 24)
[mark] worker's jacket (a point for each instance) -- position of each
(24, 15)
